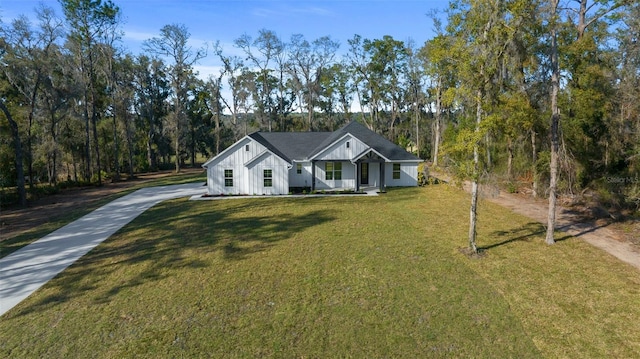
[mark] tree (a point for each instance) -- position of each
(151, 93)
(308, 62)
(17, 145)
(268, 46)
(555, 121)
(173, 44)
(482, 32)
(90, 22)
(415, 82)
(26, 61)
(358, 60)
(588, 15)
(386, 75)
(233, 68)
(336, 92)
(58, 92)
(625, 128)
(438, 66)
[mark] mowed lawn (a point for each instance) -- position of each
(360, 277)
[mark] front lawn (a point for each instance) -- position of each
(332, 277)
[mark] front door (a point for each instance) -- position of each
(364, 173)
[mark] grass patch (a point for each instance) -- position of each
(331, 277)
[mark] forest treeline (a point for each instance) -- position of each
(537, 94)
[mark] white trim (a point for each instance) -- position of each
(355, 159)
(228, 149)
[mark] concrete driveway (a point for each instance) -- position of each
(27, 269)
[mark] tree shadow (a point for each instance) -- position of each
(529, 231)
(524, 233)
(163, 239)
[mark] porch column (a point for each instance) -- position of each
(357, 164)
(313, 175)
(382, 176)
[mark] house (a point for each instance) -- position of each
(271, 163)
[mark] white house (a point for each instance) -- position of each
(272, 163)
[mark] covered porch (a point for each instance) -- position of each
(366, 174)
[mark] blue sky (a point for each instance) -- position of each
(209, 21)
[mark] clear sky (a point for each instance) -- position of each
(209, 21)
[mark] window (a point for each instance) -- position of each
(246, 147)
(268, 178)
(396, 171)
(347, 144)
(333, 171)
(299, 168)
(328, 171)
(228, 178)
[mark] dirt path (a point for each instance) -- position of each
(15, 221)
(597, 233)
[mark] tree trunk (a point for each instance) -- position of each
(17, 145)
(509, 158)
(177, 146)
(116, 149)
(555, 120)
(150, 150)
(94, 121)
(217, 129)
(534, 168)
(487, 140)
(29, 144)
(87, 139)
(474, 186)
(436, 145)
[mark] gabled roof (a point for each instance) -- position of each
(262, 155)
(302, 146)
(381, 145)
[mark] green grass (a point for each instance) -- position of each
(11, 245)
(332, 277)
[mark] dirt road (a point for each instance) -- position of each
(598, 234)
(15, 221)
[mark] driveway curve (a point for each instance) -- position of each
(27, 269)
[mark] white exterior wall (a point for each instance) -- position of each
(247, 180)
(303, 179)
(348, 176)
(339, 150)
(233, 159)
(279, 179)
(408, 175)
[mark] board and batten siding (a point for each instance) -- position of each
(300, 179)
(348, 176)
(408, 175)
(235, 158)
(279, 171)
(339, 150)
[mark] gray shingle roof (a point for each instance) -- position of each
(388, 149)
(290, 145)
(303, 145)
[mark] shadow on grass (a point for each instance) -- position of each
(530, 230)
(163, 240)
(524, 233)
